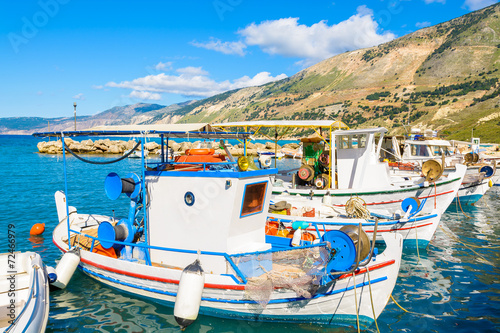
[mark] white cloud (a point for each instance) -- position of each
(192, 71)
(163, 66)
(423, 24)
(319, 41)
(258, 80)
(95, 86)
(145, 95)
(189, 84)
(79, 96)
(478, 4)
(224, 47)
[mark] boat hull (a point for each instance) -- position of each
(224, 296)
(31, 293)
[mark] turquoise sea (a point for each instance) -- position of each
(452, 286)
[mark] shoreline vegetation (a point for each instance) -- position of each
(113, 147)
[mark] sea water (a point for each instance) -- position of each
(452, 286)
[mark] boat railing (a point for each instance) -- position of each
(228, 257)
(318, 225)
(206, 166)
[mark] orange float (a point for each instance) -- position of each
(272, 228)
(200, 151)
(37, 229)
(105, 252)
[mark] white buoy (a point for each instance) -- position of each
(297, 236)
(66, 267)
(188, 300)
(265, 160)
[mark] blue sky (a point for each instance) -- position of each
(102, 54)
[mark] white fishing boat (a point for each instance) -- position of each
(24, 293)
(412, 154)
(316, 218)
(195, 239)
(346, 163)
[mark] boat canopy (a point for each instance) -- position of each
(441, 143)
(194, 130)
(287, 123)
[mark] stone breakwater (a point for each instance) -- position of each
(107, 146)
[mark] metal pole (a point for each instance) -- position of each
(74, 104)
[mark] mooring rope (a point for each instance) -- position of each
(104, 162)
(460, 205)
(371, 298)
(416, 313)
(356, 300)
(469, 245)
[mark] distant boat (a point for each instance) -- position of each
(136, 154)
(292, 153)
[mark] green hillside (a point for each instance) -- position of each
(443, 77)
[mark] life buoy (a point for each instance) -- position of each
(200, 151)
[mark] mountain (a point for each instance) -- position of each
(444, 77)
(120, 115)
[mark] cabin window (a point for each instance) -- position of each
(345, 142)
(419, 150)
(352, 141)
(436, 150)
(361, 140)
(253, 199)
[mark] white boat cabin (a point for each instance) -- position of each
(418, 151)
(356, 159)
(213, 211)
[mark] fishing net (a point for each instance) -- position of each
(300, 270)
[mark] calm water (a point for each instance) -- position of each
(447, 288)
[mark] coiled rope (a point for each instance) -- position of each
(356, 207)
(104, 162)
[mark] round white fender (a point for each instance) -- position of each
(265, 160)
(188, 300)
(66, 267)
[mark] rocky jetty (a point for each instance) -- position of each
(107, 146)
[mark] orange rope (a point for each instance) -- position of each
(460, 205)
(435, 195)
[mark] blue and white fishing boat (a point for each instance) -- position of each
(347, 163)
(24, 293)
(416, 228)
(412, 154)
(194, 238)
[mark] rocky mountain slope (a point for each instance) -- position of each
(120, 115)
(444, 77)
